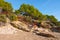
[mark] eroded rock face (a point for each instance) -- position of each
(20, 25)
(9, 29)
(34, 27)
(44, 32)
(45, 24)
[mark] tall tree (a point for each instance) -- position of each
(31, 10)
(51, 18)
(5, 5)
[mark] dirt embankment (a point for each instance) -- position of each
(8, 32)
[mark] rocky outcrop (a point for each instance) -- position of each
(43, 31)
(46, 34)
(45, 24)
(20, 25)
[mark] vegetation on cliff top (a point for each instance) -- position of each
(29, 11)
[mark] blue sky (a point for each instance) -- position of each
(50, 7)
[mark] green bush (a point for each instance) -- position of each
(2, 18)
(12, 17)
(28, 19)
